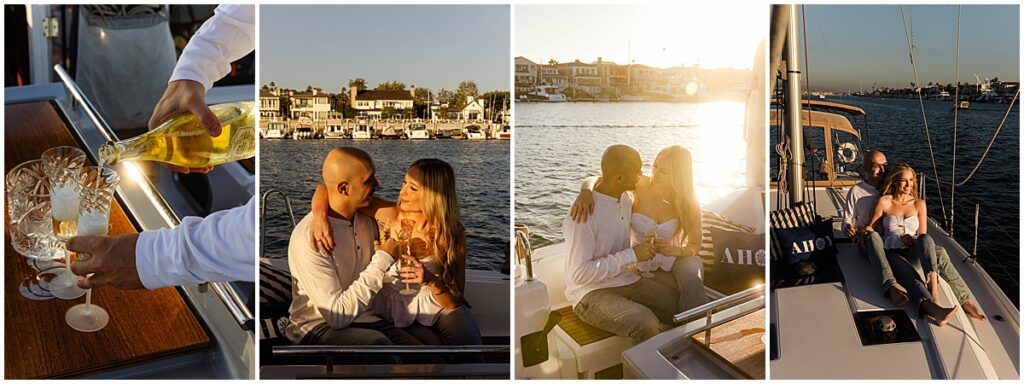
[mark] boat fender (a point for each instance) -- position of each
(848, 152)
(535, 345)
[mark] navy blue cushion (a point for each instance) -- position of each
(739, 261)
(807, 243)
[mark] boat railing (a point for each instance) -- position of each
(263, 214)
(707, 310)
(524, 251)
(224, 291)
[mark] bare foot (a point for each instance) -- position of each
(933, 287)
(972, 310)
(939, 314)
(898, 297)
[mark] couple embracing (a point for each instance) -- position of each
(633, 241)
(889, 221)
(353, 254)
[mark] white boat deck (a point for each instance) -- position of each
(818, 337)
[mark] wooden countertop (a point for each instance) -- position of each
(739, 343)
(144, 325)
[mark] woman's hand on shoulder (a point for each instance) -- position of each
(582, 207)
(321, 235)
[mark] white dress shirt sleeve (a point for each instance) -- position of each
(339, 306)
(220, 247)
(227, 36)
(581, 267)
(850, 208)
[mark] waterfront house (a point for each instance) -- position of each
(270, 107)
(474, 109)
(373, 102)
(526, 75)
(314, 105)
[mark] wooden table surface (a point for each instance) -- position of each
(739, 343)
(37, 342)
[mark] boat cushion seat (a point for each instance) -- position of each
(581, 332)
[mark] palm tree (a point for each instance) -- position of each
(552, 62)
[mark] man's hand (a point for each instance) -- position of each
(321, 237)
(644, 251)
(390, 246)
(850, 230)
(185, 96)
(110, 260)
(666, 248)
(907, 240)
(582, 207)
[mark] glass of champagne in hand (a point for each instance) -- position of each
(404, 240)
(650, 239)
(93, 219)
(385, 234)
(63, 167)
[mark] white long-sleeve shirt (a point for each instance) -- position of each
(599, 250)
(219, 247)
(860, 205)
(227, 36)
(336, 289)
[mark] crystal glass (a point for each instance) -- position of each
(98, 186)
(405, 248)
(63, 167)
(650, 239)
(29, 231)
(384, 232)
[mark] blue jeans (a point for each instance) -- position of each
(904, 261)
(635, 311)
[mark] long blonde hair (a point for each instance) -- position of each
(893, 178)
(684, 196)
(441, 212)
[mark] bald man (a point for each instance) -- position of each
(860, 204)
(332, 293)
(600, 285)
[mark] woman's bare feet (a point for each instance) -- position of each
(933, 287)
(898, 296)
(972, 310)
(939, 314)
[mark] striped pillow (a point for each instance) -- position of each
(710, 220)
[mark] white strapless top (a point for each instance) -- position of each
(642, 226)
(897, 226)
(402, 310)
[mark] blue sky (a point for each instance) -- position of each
(432, 46)
(868, 43)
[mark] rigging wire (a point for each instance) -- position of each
(800, 112)
(992, 140)
(956, 110)
(920, 99)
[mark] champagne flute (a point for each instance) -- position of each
(650, 238)
(385, 234)
(404, 240)
(93, 220)
(63, 167)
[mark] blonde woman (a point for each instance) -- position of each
(665, 209)
(425, 219)
(906, 241)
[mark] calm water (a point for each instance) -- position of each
(481, 174)
(559, 144)
(896, 128)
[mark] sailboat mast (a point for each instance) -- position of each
(794, 110)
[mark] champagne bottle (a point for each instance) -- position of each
(185, 142)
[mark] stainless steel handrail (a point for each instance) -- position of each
(722, 303)
(263, 215)
(707, 310)
(524, 250)
(224, 291)
(300, 350)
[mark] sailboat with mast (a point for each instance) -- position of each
(833, 322)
